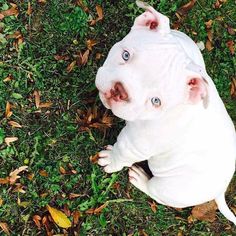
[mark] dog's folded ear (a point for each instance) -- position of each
(197, 84)
(151, 19)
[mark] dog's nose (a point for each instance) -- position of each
(118, 92)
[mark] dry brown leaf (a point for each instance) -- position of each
(142, 233)
(9, 140)
(43, 173)
(29, 9)
(19, 188)
(99, 209)
(42, 1)
(1, 202)
(209, 24)
(186, 8)
(71, 66)
(210, 35)
(98, 56)
(219, 3)
(5, 228)
(233, 88)
(99, 12)
(90, 43)
(231, 30)
(13, 11)
(94, 158)
(14, 124)
(8, 78)
(209, 46)
(30, 176)
(8, 111)
(37, 220)
(14, 174)
(45, 105)
(81, 4)
(74, 195)
(230, 45)
(76, 215)
(61, 57)
(84, 57)
(205, 212)
(62, 170)
(4, 180)
(36, 98)
(153, 206)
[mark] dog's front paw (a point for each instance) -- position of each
(107, 159)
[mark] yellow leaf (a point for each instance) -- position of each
(59, 217)
(9, 140)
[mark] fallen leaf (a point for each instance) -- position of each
(13, 11)
(36, 98)
(230, 45)
(8, 78)
(97, 210)
(219, 3)
(1, 202)
(142, 233)
(62, 170)
(66, 209)
(14, 174)
(98, 56)
(30, 176)
(8, 111)
(59, 217)
(74, 195)
(42, 1)
(99, 12)
(209, 24)
(46, 223)
(43, 173)
(37, 220)
(209, 46)
(84, 57)
(153, 206)
(231, 30)
(29, 10)
(45, 104)
(71, 66)
(61, 57)
(205, 212)
(233, 208)
(9, 140)
(19, 188)
(233, 88)
(186, 8)
(81, 4)
(14, 124)
(76, 215)
(210, 35)
(94, 158)
(23, 204)
(5, 228)
(90, 43)
(4, 180)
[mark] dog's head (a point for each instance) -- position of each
(148, 72)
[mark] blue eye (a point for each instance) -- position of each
(125, 55)
(156, 101)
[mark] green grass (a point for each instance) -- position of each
(51, 138)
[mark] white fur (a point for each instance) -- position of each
(190, 147)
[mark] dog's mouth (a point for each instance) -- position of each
(117, 94)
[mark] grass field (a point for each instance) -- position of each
(52, 121)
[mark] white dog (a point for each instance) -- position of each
(155, 79)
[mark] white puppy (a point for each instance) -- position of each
(155, 79)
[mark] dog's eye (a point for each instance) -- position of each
(156, 101)
(125, 55)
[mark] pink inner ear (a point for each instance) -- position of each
(197, 91)
(147, 19)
